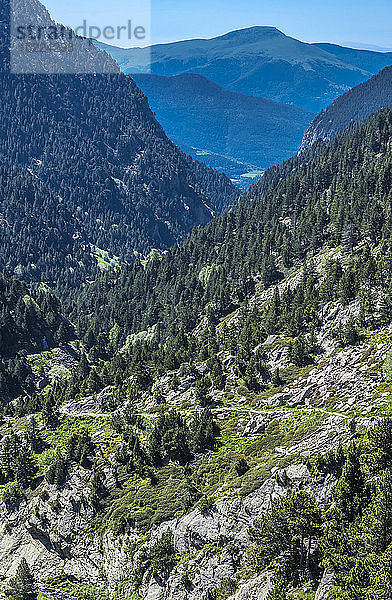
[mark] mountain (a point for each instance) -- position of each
(298, 207)
(368, 60)
(223, 430)
(211, 422)
(351, 107)
(124, 185)
(196, 112)
(258, 61)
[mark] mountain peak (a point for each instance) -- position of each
(255, 33)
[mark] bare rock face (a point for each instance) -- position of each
(50, 530)
(255, 589)
(88, 406)
(326, 583)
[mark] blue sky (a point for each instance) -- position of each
(339, 21)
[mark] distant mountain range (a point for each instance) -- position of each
(368, 60)
(260, 61)
(353, 106)
(106, 175)
(212, 122)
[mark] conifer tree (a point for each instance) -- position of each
(22, 586)
(349, 238)
(350, 493)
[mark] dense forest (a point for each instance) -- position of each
(97, 147)
(39, 236)
(271, 229)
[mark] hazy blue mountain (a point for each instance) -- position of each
(198, 113)
(258, 61)
(353, 106)
(364, 59)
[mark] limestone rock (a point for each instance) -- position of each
(255, 589)
(326, 583)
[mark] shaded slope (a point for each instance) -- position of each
(355, 105)
(199, 113)
(93, 140)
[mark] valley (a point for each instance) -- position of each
(196, 322)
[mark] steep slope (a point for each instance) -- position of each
(296, 208)
(199, 113)
(30, 322)
(253, 402)
(40, 237)
(119, 176)
(355, 105)
(259, 61)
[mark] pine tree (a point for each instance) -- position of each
(22, 586)
(32, 434)
(287, 530)
(350, 493)
(376, 524)
(279, 591)
(380, 445)
(25, 467)
(298, 352)
(162, 554)
(97, 488)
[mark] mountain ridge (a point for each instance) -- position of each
(265, 62)
(236, 384)
(352, 107)
(212, 422)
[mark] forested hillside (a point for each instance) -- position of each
(279, 223)
(354, 106)
(40, 238)
(97, 148)
(224, 431)
(30, 322)
(212, 421)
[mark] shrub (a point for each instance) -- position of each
(12, 492)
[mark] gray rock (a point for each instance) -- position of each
(255, 589)
(326, 583)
